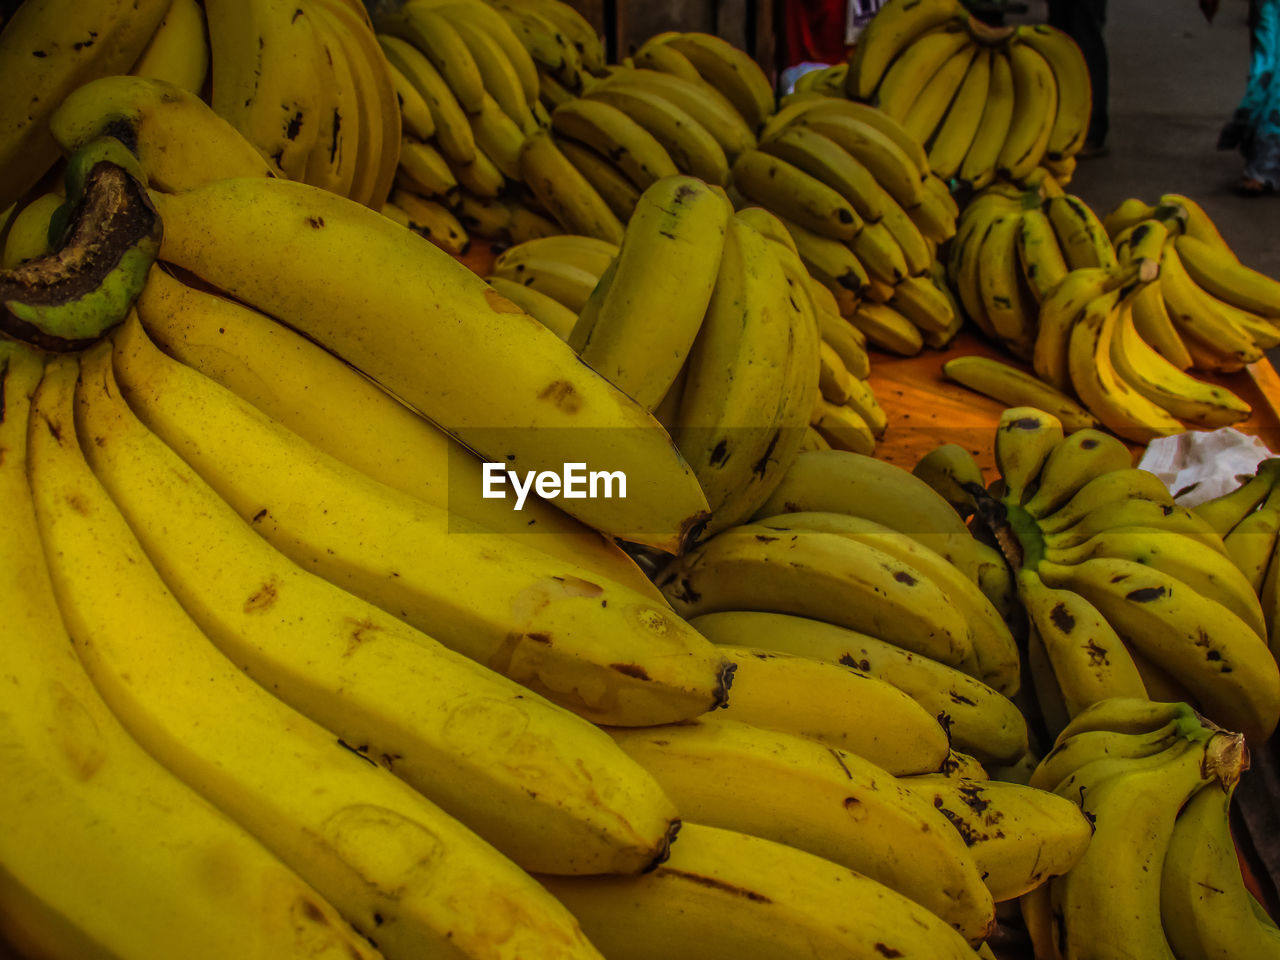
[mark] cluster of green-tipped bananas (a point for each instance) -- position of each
(1041, 276)
(1125, 592)
(1208, 311)
(986, 102)
(1160, 875)
(854, 189)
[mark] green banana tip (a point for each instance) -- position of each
(65, 300)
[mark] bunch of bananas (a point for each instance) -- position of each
(1126, 593)
(1161, 874)
(686, 103)
(306, 84)
(1040, 275)
(986, 102)
(1208, 311)
(854, 190)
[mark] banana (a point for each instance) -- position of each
(1114, 486)
(1251, 543)
(415, 113)
(1089, 661)
(918, 252)
(794, 194)
(862, 486)
(565, 192)
(548, 311)
(893, 31)
(1062, 307)
(978, 168)
(1130, 715)
(1035, 106)
(844, 428)
(661, 57)
(267, 80)
(1143, 240)
(289, 781)
(979, 719)
(802, 793)
(1206, 647)
(575, 28)
(813, 440)
(529, 224)
(425, 171)
(841, 336)
(1206, 909)
(43, 54)
(587, 253)
(731, 71)
(665, 272)
(705, 104)
(1120, 407)
(891, 166)
(837, 706)
(823, 576)
(1082, 236)
(960, 123)
(1226, 510)
(912, 71)
(1156, 327)
(489, 20)
(1158, 517)
(141, 368)
(27, 235)
(725, 894)
(963, 261)
(832, 264)
(178, 51)
(178, 139)
(1013, 386)
(953, 473)
(1197, 316)
(1071, 77)
(752, 343)
(864, 114)
(1082, 456)
(433, 221)
(1043, 264)
(1007, 302)
(498, 137)
(501, 78)
(1127, 213)
(1221, 274)
(439, 40)
(1025, 436)
(612, 133)
(481, 177)
(1114, 890)
(618, 192)
(822, 158)
(305, 656)
(454, 135)
(931, 104)
(935, 214)
(379, 151)
(335, 159)
(1187, 398)
(104, 840)
(689, 144)
(546, 45)
(1072, 750)
(1198, 566)
(1019, 836)
(563, 281)
(995, 658)
(484, 218)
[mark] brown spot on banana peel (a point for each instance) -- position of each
(1146, 594)
(563, 394)
(113, 224)
(752, 895)
(263, 598)
(1062, 618)
(498, 303)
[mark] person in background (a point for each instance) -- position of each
(1084, 21)
(1254, 129)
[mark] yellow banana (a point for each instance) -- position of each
(892, 167)
(1035, 107)
(498, 137)
(1075, 95)
(823, 158)
(1222, 275)
(926, 112)
(453, 134)
(1014, 386)
(979, 165)
(731, 71)
(415, 112)
(801, 791)
(795, 195)
(425, 171)
(659, 56)
(881, 44)
(491, 21)
(1043, 263)
(178, 51)
(433, 221)
(438, 39)
(1197, 316)
(618, 192)
(26, 237)
(689, 144)
(564, 191)
(1081, 234)
(843, 427)
(960, 124)
(612, 133)
(912, 69)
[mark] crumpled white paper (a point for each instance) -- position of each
(1202, 464)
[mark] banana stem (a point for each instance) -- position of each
(67, 299)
